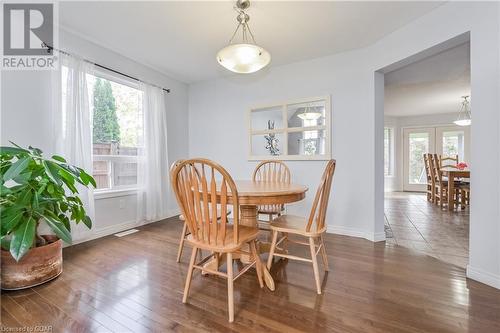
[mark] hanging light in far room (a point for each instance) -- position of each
(464, 118)
(309, 114)
(246, 57)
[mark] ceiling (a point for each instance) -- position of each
(433, 85)
(181, 38)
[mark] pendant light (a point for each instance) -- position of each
(247, 56)
(309, 114)
(464, 118)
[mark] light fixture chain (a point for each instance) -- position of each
(234, 34)
(251, 34)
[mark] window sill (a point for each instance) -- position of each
(98, 195)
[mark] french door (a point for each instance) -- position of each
(442, 140)
(416, 143)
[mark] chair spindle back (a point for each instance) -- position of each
(320, 204)
(199, 186)
(272, 171)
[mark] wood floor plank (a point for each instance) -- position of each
(134, 284)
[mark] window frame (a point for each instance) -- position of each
(391, 149)
(285, 130)
(120, 190)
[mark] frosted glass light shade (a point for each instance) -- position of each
(243, 58)
(462, 122)
(309, 115)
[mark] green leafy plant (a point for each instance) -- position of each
(34, 188)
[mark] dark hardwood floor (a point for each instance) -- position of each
(133, 284)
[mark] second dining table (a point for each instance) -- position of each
(251, 194)
(453, 175)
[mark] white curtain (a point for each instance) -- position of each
(153, 165)
(73, 125)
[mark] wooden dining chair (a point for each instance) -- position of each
(311, 228)
(200, 186)
(448, 161)
(185, 231)
(441, 184)
(271, 171)
(464, 194)
(430, 189)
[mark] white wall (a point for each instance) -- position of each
(395, 182)
(26, 107)
(217, 111)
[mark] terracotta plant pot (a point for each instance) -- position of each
(39, 265)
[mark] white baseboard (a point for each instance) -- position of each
(482, 276)
(347, 231)
(113, 229)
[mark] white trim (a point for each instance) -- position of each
(482, 276)
(113, 229)
(116, 158)
(352, 232)
(291, 157)
(105, 194)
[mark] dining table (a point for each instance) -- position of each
(453, 174)
(252, 194)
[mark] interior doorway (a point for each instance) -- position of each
(421, 101)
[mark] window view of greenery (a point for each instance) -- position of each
(387, 151)
(453, 144)
(117, 124)
(418, 146)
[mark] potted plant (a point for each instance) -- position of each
(34, 189)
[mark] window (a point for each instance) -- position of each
(296, 130)
(388, 151)
(454, 144)
(117, 125)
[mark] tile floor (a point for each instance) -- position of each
(413, 222)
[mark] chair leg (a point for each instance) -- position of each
(323, 254)
(258, 263)
(181, 243)
(273, 248)
(230, 282)
(189, 275)
(315, 264)
(285, 242)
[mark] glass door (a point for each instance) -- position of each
(417, 142)
(453, 140)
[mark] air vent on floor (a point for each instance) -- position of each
(127, 232)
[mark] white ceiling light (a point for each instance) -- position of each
(245, 57)
(309, 114)
(464, 118)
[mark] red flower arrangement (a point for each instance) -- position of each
(462, 165)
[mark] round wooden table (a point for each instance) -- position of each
(251, 194)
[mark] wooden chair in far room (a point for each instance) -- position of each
(311, 228)
(185, 231)
(448, 161)
(441, 183)
(464, 195)
(198, 194)
(271, 171)
(430, 189)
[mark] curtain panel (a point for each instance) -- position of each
(153, 165)
(73, 124)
